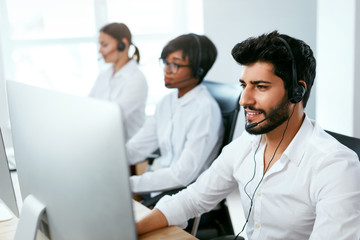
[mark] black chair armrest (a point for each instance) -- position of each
(153, 156)
(152, 201)
(228, 237)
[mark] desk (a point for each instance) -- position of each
(7, 228)
(172, 232)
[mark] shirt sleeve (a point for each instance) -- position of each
(209, 189)
(128, 89)
(336, 191)
(202, 138)
(133, 96)
(97, 85)
(143, 143)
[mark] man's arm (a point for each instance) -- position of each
(154, 220)
(336, 191)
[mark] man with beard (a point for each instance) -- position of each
(295, 180)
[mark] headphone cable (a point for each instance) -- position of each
(267, 168)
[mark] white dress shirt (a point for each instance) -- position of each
(128, 88)
(311, 192)
(188, 131)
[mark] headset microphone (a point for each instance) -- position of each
(101, 57)
(174, 83)
(252, 125)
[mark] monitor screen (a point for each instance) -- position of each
(7, 193)
(70, 157)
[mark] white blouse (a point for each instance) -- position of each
(128, 88)
(188, 131)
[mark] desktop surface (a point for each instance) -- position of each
(7, 229)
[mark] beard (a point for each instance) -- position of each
(279, 117)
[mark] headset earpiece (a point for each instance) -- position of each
(297, 90)
(198, 71)
(297, 93)
(121, 46)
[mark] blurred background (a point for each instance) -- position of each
(54, 44)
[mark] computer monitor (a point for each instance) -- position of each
(71, 164)
(7, 193)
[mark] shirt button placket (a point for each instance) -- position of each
(257, 214)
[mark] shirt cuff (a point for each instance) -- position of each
(172, 211)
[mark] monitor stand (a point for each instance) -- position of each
(31, 214)
(5, 213)
(11, 158)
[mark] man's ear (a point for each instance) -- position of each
(302, 82)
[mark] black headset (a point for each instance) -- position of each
(121, 46)
(297, 90)
(198, 71)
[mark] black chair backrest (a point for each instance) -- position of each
(351, 142)
(227, 96)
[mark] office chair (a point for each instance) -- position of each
(217, 222)
(351, 142)
(227, 96)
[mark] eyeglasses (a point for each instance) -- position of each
(173, 67)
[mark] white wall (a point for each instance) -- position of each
(338, 66)
(323, 24)
(330, 27)
(232, 21)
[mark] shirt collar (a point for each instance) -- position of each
(189, 96)
(296, 149)
(126, 69)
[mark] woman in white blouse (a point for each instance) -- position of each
(122, 82)
(187, 125)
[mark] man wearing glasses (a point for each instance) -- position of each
(187, 124)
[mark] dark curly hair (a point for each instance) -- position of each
(269, 48)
